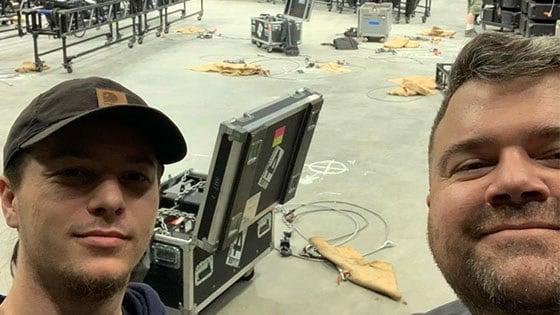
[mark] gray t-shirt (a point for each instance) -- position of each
(453, 308)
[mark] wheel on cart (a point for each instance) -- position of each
(259, 44)
(39, 66)
(130, 44)
(199, 17)
(248, 275)
(69, 69)
(158, 34)
(483, 26)
(382, 39)
(269, 49)
(424, 19)
(140, 40)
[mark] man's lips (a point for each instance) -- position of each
(520, 228)
(102, 238)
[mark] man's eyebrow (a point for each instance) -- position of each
(143, 159)
(468, 145)
(545, 132)
(67, 153)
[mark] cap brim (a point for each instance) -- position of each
(165, 136)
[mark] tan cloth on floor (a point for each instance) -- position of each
(332, 67)
(29, 66)
(191, 30)
(414, 86)
(401, 42)
(437, 32)
(374, 275)
(233, 69)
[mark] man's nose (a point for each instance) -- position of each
(517, 181)
(107, 198)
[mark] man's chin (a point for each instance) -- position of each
(106, 268)
(521, 281)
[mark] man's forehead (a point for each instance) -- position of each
(481, 109)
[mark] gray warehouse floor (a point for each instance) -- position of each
(381, 140)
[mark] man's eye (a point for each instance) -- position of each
(72, 173)
(137, 177)
(554, 156)
(469, 167)
(552, 159)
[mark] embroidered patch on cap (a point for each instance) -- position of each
(107, 98)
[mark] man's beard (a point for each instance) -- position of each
(68, 283)
(486, 280)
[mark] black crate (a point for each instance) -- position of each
(489, 15)
(530, 28)
(511, 4)
(535, 9)
(539, 11)
(510, 18)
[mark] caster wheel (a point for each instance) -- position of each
(107, 43)
(253, 41)
(199, 17)
(69, 69)
(166, 30)
(140, 41)
(130, 45)
(259, 44)
(407, 20)
(424, 19)
(382, 40)
(158, 34)
(248, 276)
(269, 50)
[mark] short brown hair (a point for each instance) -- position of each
(498, 57)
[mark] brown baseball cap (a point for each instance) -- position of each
(78, 100)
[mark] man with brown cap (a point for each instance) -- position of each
(494, 218)
(82, 167)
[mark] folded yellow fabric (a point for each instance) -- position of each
(332, 67)
(233, 69)
(437, 32)
(401, 42)
(191, 30)
(374, 275)
(414, 86)
(29, 66)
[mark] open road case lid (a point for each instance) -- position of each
(257, 163)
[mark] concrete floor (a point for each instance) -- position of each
(382, 143)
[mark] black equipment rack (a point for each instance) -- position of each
(410, 8)
(11, 12)
(503, 14)
(443, 70)
(76, 21)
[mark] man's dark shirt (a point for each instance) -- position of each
(453, 308)
(139, 299)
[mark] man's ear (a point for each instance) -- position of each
(8, 198)
(428, 200)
